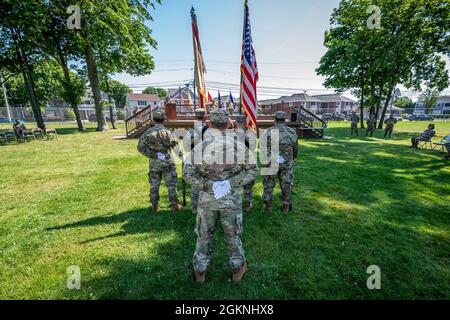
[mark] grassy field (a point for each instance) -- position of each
(82, 200)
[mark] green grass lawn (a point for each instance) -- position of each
(82, 200)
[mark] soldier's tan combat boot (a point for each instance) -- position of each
(238, 275)
(248, 207)
(268, 207)
(286, 208)
(200, 277)
(176, 208)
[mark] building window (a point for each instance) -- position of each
(142, 103)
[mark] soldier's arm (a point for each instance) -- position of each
(143, 146)
(192, 176)
(245, 176)
(295, 151)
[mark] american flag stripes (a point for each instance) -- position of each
(249, 73)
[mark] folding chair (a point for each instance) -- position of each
(51, 133)
(441, 144)
(425, 144)
(28, 134)
(38, 133)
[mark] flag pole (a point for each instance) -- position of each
(242, 75)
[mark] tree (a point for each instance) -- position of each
(119, 93)
(20, 23)
(162, 93)
(59, 42)
(115, 38)
(404, 103)
(374, 61)
(429, 98)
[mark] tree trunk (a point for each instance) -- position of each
(361, 112)
(93, 80)
(112, 111)
(386, 104)
(29, 82)
(68, 86)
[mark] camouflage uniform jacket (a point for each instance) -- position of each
(202, 176)
(390, 123)
(157, 139)
(288, 147)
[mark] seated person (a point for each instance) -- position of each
(447, 145)
(425, 136)
(18, 128)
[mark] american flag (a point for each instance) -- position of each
(249, 73)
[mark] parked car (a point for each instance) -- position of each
(420, 117)
(333, 117)
(395, 116)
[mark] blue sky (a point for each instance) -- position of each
(287, 35)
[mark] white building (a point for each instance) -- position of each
(442, 105)
(138, 101)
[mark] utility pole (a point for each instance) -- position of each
(5, 96)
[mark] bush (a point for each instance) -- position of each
(69, 115)
(120, 115)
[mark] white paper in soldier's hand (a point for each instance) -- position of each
(221, 189)
(161, 156)
(280, 159)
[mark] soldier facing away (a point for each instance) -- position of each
(354, 124)
(288, 150)
(425, 136)
(371, 122)
(220, 183)
(156, 144)
(390, 122)
(193, 137)
(242, 135)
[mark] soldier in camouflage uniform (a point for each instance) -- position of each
(354, 126)
(425, 136)
(220, 183)
(288, 149)
(390, 122)
(156, 144)
(371, 126)
(193, 137)
(241, 131)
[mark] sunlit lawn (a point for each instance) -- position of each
(82, 200)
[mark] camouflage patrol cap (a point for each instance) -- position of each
(240, 118)
(200, 113)
(159, 114)
(280, 115)
(219, 116)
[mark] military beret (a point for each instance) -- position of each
(280, 115)
(240, 118)
(219, 116)
(159, 114)
(200, 112)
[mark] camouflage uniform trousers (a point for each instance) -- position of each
(354, 129)
(388, 131)
(232, 225)
(158, 170)
(194, 199)
(248, 193)
(286, 177)
(370, 130)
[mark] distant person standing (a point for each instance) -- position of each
(288, 149)
(371, 122)
(390, 122)
(425, 136)
(156, 144)
(354, 124)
